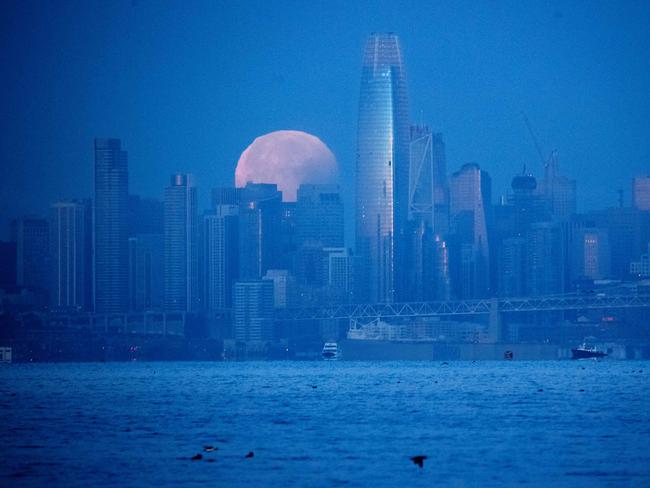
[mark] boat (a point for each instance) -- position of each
(331, 351)
(587, 352)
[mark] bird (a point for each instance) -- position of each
(419, 460)
(314, 386)
(197, 457)
(250, 454)
(210, 448)
(540, 389)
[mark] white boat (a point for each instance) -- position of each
(331, 351)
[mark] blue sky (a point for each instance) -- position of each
(187, 85)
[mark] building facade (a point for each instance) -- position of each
(71, 255)
(111, 227)
(382, 169)
(181, 251)
(253, 310)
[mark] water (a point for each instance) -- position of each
(480, 424)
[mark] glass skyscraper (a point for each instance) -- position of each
(180, 237)
(111, 231)
(382, 170)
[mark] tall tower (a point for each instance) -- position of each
(382, 169)
(111, 231)
(220, 256)
(181, 256)
(70, 251)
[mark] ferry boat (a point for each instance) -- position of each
(331, 351)
(586, 352)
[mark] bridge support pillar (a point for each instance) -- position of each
(495, 332)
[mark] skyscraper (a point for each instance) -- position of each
(559, 191)
(319, 215)
(253, 310)
(260, 236)
(220, 256)
(382, 169)
(111, 231)
(181, 257)
(32, 253)
(70, 273)
(641, 192)
(470, 208)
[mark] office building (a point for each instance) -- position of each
(319, 215)
(382, 169)
(220, 256)
(260, 236)
(558, 190)
(470, 215)
(111, 227)
(253, 310)
(641, 193)
(181, 246)
(71, 255)
(146, 275)
(32, 254)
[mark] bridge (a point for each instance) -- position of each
(467, 307)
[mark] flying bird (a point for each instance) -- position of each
(419, 460)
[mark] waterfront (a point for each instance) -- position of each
(326, 423)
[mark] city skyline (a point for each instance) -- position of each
(564, 100)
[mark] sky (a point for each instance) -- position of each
(188, 85)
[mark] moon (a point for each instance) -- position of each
(287, 158)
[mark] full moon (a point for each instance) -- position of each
(287, 158)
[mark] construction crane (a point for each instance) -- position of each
(532, 135)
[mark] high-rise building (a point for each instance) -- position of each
(260, 235)
(558, 191)
(545, 259)
(284, 287)
(253, 310)
(32, 253)
(71, 254)
(590, 254)
(470, 210)
(428, 215)
(146, 275)
(319, 215)
(181, 256)
(220, 256)
(421, 176)
(339, 275)
(225, 195)
(382, 169)
(111, 227)
(641, 192)
(7, 264)
(440, 186)
(145, 215)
